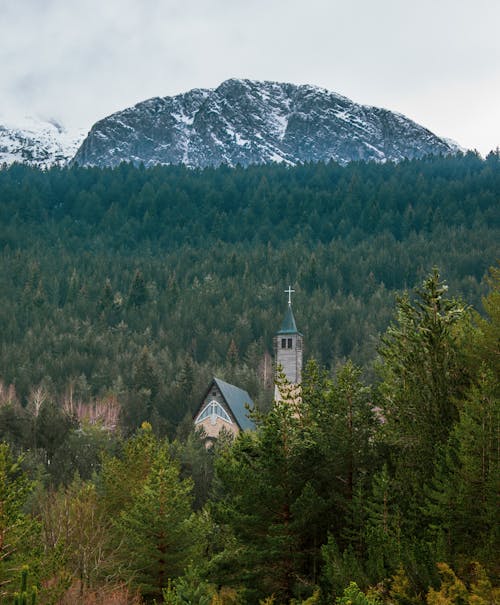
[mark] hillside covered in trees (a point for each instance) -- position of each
(355, 493)
(123, 291)
(108, 275)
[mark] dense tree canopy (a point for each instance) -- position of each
(109, 275)
(123, 291)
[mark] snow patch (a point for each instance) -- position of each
(38, 142)
(183, 118)
(281, 123)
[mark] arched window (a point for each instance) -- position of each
(213, 410)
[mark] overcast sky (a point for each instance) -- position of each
(436, 61)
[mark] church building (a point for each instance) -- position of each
(226, 406)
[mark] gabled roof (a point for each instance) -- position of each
(237, 399)
(288, 325)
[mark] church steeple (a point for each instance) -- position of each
(288, 346)
(288, 325)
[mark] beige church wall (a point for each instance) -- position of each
(212, 430)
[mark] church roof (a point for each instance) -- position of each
(237, 399)
(288, 325)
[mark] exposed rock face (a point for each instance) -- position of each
(245, 122)
(37, 142)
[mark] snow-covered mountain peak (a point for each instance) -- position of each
(36, 141)
(240, 121)
(245, 121)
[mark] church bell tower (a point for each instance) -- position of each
(288, 347)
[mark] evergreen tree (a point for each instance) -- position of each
(423, 374)
(130, 468)
(158, 528)
(52, 429)
(463, 503)
(265, 498)
(383, 529)
(339, 417)
(138, 293)
(106, 299)
(485, 347)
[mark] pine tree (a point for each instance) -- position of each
(130, 468)
(138, 294)
(106, 299)
(265, 498)
(354, 596)
(423, 375)
(339, 419)
(462, 503)
(159, 531)
(383, 528)
(52, 428)
(485, 346)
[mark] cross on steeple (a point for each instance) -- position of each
(289, 292)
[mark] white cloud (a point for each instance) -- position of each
(434, 60)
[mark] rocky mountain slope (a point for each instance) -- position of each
(37, 142)
(245, 122)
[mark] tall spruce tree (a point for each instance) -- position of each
(339, 419)
(423, 375)
(267, 501)
(463, 500)
(158, 528)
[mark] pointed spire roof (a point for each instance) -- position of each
(288, 326)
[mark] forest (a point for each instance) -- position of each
(123, 291)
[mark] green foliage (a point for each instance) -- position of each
(383, 528)
(341, 427)
(138, 294)
(424, 373)
(265, 496)
(314, 599)
(51, 427)
(401, 590)
(25, 596)
(463, 501)
(139, 285)
(18, 531)
(76, 529)
(124, 254)
(452, 590)
(340, 568)
(197, 462)
(130, 468)
(485, 345)
(354, 596)
(159, 533)
(82, 452)
(189, 589)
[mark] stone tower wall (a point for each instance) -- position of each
(289, 357)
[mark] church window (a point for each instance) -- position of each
(213, 410)
(283, 343)
(289, 343)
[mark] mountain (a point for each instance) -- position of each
(248, 122)
(37, 142)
